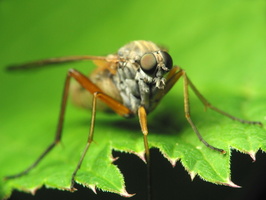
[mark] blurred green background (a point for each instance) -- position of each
(221, 44)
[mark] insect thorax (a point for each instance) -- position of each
(136, 87)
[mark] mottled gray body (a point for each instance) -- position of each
(137, 87)
(126, 81)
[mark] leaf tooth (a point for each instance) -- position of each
(31, 190)
(124, 193)
(231, 184)
(34, 190)
(252, 154)
(141, 155)
(113, 159)
(192, 175)
(173, 161)
(93, 188)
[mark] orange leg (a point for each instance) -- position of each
(97, 94)
(143, 124)
(172, 78)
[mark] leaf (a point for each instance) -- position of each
(221, 46)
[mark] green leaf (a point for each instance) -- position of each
(221, 45)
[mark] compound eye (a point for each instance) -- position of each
(148, 63)
(167, 60)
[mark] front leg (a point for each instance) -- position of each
(172, 78)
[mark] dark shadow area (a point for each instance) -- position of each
(171, 183)
(165, 119)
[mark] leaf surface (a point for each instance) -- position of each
(221, 46)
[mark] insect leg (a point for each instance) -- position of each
(209, 105)
(90, 139)
(57, 135)
(171, 79)
(187, 113)
(87, 84)
(97, 94)
(143, 124)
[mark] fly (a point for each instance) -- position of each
(131, 83)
